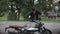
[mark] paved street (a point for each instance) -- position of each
(54, 27)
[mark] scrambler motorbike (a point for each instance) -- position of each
(38, 29)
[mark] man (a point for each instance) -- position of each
(34, 15)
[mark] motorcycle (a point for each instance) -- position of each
(38, 29)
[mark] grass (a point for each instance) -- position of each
(4, 18)
(50, 20)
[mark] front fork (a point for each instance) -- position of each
(42, 29)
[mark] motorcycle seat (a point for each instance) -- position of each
(15, 26)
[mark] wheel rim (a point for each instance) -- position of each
(46, 32)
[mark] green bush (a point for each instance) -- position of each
(1, 14)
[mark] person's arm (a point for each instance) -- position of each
(39, 13)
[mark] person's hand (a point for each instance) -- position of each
(29, 16)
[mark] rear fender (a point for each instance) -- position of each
(6, 28)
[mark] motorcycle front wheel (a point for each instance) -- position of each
(47, 32)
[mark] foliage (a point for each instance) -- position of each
(59, 5)
(23, 7)
(3, 7)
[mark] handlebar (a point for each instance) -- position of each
(38, 22)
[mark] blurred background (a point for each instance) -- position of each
(18, 10)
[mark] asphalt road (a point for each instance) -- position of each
(54, 27)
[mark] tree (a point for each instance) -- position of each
(46, 5)
(59, 5)
(19, 4)
(3, 7)
(26, 9)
